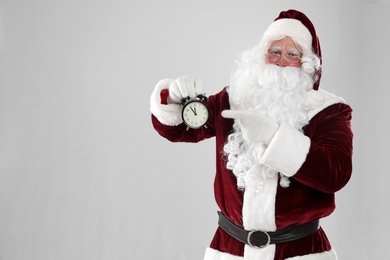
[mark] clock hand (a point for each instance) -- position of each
(193, 110)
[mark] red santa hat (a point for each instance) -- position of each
(296, 25)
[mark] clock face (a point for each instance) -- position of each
(195, 114)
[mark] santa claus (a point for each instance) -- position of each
(283, 146)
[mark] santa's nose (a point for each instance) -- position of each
(282, 62)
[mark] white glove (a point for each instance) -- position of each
(255, 127)
(184, 87)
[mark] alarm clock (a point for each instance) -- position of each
(195, 113)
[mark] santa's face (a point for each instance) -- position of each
(284, 53)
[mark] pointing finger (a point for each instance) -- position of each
(233, 114)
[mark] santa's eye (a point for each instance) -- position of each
(274, 52)
(292, 55)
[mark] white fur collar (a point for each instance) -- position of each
(328, 100)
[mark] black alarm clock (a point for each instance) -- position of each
(195, 113)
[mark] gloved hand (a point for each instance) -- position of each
(255, 127)
(184, 87)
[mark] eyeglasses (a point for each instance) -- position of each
(288, 57)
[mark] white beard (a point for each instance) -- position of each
(281, 93)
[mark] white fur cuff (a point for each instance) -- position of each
(287, 151)
(169, 114)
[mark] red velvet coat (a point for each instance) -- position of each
(310, 196)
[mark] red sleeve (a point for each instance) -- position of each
(328, 166)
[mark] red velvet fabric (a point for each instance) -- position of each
(310, 195)
(164, 96)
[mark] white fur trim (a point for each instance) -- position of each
(266, 253)
(327, 98)
(212, 254)
(258, 210)
(328, 255)
(286, 27)
(169, 114)
(287, 151)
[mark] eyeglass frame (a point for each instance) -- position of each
(284, 57)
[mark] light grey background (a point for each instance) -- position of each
(83, 175)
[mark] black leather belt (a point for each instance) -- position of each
(260, 238)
